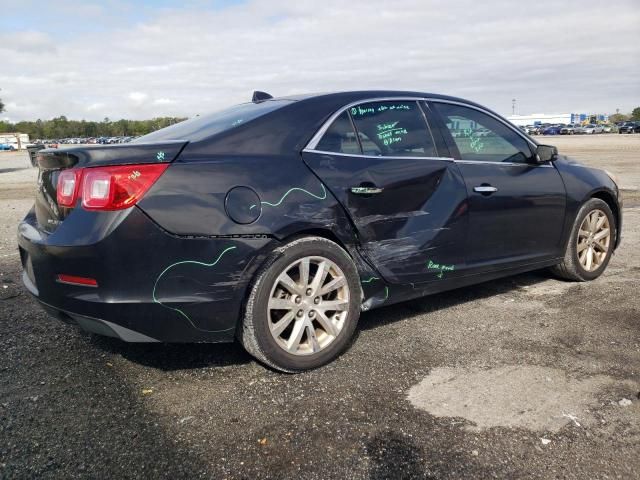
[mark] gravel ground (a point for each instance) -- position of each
(549, 375)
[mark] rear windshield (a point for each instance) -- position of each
(204, 126)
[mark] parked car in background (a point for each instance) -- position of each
(369, 200)
(568, 129)
(6, 146)
(591, 128)
(629, 127)
(482, 132)
(532, 129)
(608, 128)
(552, 130)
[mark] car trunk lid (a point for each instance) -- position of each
(51, 162)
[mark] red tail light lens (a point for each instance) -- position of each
(68, 186)
(118, 187)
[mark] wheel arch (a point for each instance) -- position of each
(248, 329)
(610, 199)
(279, 241)
(326, 233)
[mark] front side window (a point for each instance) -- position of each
(481, 137)
(392, 128)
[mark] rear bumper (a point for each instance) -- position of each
(152, 286)
(96, 325)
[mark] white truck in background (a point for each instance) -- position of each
(13, 141)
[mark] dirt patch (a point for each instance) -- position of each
(619, 154)
(533, 397)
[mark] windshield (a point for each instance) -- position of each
(201, 127)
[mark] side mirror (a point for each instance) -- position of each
(546, 153)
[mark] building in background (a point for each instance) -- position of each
(18, 141)
(566, 118)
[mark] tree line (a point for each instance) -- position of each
(623, 117)
(62, 127)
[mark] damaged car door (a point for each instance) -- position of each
(516, 204)
(408, 204)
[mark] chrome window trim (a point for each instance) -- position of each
(313, 143)
(506, 164)
(447, 159)
(377, 157)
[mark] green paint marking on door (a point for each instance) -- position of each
(431, 265)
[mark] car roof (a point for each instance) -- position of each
(286, 130)
(355, 95)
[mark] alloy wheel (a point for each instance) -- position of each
(594, 238)
(308, 305)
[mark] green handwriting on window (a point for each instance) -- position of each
(383, 127)
(476, 144)
(389, 133)
(360, 111)
(395, 106)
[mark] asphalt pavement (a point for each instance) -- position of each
(524, 377)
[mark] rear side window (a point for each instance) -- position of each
(199, 128)
(481, 137)
(393, 128)
(340, 137)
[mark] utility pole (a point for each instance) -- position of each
(513, 106)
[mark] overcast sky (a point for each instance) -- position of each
(150, 58)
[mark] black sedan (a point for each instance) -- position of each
(629, 127)
(276, 222)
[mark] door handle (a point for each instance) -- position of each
(485, 189)
(365, 190)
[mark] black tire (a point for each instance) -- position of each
(570, 267)
(254, 333)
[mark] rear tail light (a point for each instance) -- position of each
(108, 188)
(68, 185)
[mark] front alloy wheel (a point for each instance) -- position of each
(594, 239)
(591, 244)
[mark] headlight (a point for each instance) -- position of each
(612, 177)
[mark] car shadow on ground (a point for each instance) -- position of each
(175, 356)
(14, 169)
(438, 301)
(180, 356)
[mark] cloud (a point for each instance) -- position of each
(137, 98)
(98, 106)
(26, 42)
(183, 60)
(164, 101)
